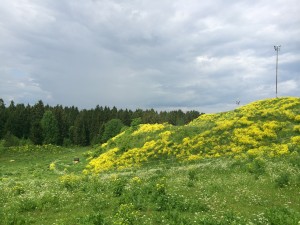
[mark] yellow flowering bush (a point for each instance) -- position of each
(241, 136)
(296, 140)
(244, 121)
(194, 157)
(297, 128)
(289, 114)
(104, 162)
(144, 128)
(136, 180)
(224, 125)
(52, 166)
(279, 149)
(70, 180)
(165, 136)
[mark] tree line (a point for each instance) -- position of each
(43, 124)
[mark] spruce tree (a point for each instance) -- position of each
(50, 128)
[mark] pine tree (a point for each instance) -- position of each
(80, 131)
(36, 132)
(50, 128)
(10, 124)
(3, 117)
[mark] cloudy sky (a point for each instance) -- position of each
(166, 54)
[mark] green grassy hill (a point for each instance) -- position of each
(267, 128)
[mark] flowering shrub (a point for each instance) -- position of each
(52, 166)
(136, 180)
(70, 181)
(144, 128)
(297, 128)
(296, 140)
(104, 162)
(224, 125)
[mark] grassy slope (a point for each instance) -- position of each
(28, 188)
(212, 191)
(267, 128)
(240, 188)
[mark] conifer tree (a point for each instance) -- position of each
(36, 132)
(50, 128)
(2, 117)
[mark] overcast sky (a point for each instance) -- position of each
(166, 54)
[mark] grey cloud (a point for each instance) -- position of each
(169, 54)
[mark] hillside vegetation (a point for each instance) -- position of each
(266, 128)
(239, 168)
(66, 126)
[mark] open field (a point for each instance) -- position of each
(47, 188)
(237, 167)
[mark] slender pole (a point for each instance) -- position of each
(276, 70)
(277, 48)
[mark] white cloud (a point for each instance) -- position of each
(19, 87)
(288, 86)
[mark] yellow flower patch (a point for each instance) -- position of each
(260, 129)
(104, 162)
(144, 128)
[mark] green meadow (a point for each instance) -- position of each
(237, 167)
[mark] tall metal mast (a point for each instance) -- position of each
(277, 49)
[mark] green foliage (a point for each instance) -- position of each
(295, 159)
(82, 127)
(79, 132)
(36, 133)
(118, 185)
(3, 117)
(10, 140)
(126, 215)
(282, 215)
(282, 180)
(111, 129)
(67, 142)
(192, 174)
(136, 122)
(30, 148)
(95, 218)
(50, 128)
(257, 167)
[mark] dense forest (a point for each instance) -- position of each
(43, 124)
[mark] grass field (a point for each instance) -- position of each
(236, 167)
(46, 187)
